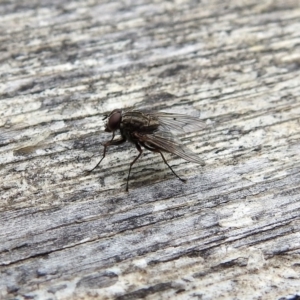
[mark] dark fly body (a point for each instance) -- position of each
(153, 132)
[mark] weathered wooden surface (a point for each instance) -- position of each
(231, 232)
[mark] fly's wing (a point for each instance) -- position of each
(163, 140)
(178, 122)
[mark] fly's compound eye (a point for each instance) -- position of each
(114, 120)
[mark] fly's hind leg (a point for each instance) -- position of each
(181, 179)
(138, 147)
(158, 151)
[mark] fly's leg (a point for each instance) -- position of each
(157, 150)
(182, 179)
(140, 153)
(107, 144)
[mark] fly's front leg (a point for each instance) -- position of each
(112, 142)
(141, 151)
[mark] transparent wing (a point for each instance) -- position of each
(165, 141)
(178, 122)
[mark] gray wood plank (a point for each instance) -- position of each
(231, 232)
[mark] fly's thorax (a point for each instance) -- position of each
(126, 134)
(138, 121)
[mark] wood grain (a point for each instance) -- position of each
(231, 232)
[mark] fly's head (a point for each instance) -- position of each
(113, 120)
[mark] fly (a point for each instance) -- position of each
(153, 132)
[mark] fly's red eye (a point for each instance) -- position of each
(114, 121)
